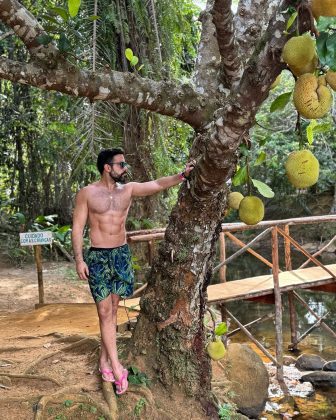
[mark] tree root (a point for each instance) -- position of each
(111, 399)
(72, 338)
(12, 349)
(85, 344)
(73, 393)
(26, 376)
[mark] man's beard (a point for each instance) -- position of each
(120, 178)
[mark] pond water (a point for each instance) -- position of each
(319, 341)
(321, 405)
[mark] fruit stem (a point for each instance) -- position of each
(248, 176)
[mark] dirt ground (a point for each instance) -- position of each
(48, 356)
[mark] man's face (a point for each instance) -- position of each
(118, 169)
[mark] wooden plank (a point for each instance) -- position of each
(263, 285)
(304, 278)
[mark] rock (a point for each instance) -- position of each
(321, 379)
(289, 360)
(309, 362)
(330, 366)
(248, 379)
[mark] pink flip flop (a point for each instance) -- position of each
(118, 384)
(107, 375)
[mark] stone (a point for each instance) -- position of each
(248, 379)
(320, 379)
(289, 360)
(309, 362)
(331, 366)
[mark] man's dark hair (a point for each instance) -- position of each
(106, 156)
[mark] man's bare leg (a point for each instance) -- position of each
(104, 361)
(107, 312)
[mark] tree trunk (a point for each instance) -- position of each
(173, 306)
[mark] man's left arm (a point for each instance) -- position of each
(142, 189)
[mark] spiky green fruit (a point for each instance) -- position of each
(299, 53)
(251, 210)
(234, 199)
(302, 169)
(216, 349)
(311, 97)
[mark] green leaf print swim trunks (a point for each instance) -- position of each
(110, 271)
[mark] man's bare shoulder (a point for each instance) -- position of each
(89, 189)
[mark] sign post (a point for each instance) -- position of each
(36, 239)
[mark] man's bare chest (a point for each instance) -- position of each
(108, 201)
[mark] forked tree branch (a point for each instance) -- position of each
(231, 64)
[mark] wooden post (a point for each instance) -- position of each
(38, 261)
(278, 311)
(222, 256)
(150, 252)
(291, 300)
(288, 259)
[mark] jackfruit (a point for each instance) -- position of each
(234, 199)
(323, 8)
(216, 349)
(311, 98)
(302, 169)
(276, 82)
(299, 53)
(308, 68)
(331, 79)
(251, 210)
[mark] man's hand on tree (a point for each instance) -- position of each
(82, 270)
(189, 167)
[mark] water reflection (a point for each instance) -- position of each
(319, 341)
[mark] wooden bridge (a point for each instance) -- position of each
(319, 277)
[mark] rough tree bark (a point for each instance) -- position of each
(239, 57)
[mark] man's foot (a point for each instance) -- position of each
(107, 375)
(122, 383)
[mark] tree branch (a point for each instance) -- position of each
(166, 98)
(25, 26)
(233, 121)
(232, 68)
(206, 75)
(251, 21)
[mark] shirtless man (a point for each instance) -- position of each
(104, 206)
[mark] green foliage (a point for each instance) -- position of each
(221, 329)
(227, 411)
(68, 403)
(280, 102)
(326, 48)
(73, 7)
(263, 189)
(139, 406)
(136, 377)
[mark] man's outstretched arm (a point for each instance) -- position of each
(79, 220)
(142, 189)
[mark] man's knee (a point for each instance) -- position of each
(104, 310)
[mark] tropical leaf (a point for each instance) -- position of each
(221, 329)
(240, 177)
(280, 102)
(73, 7)
(263, 189)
